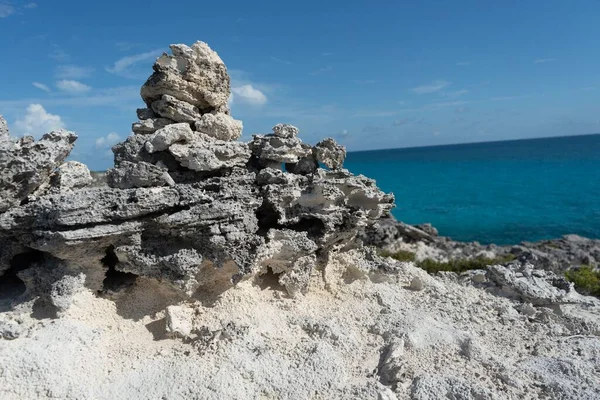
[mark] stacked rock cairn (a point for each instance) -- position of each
(186, 203)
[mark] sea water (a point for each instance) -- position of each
(497, 192)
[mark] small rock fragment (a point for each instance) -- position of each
(417, 284)
(285, 131)
(179, 321)
(165, 137)
(330, 153)
(220, 126)
(10, 330)
(71, 175)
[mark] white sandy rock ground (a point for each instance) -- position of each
(356, 334)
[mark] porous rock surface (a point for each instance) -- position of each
(205, 270)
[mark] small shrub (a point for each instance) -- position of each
(586, 279)
(401, 255)
(462, 265)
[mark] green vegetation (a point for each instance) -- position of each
(586, 279)
(401, 255)
(461, 265)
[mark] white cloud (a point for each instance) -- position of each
(31, 5)
(248, 94)
(73, 72)
(456, 93)
(108, 140)
(122, 97)
(432, 87)
(123, 67)
(281, 61)
(544, 60)
(38, 121)
(41, 86)
(323, 70)
(6, 10)
(72, 87)
(58, 54)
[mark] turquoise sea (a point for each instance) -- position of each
(497, 192)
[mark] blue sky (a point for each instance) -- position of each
(372, 74)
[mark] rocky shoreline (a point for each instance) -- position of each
(201, 266)
(556, 255)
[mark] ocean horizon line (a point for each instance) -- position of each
(473, 143)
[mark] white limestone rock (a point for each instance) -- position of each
(179, 321)
(330, 153)
(70, 176)
(10, 330)
(137, 175)
(3, 128)
(151, 125)
(195, 75)
(176, 110)
(271, 148)
(208, 154)
(26, 164)
(220, 126)
(165, 137)
(285, 131)
(145, 113)
(291, 256)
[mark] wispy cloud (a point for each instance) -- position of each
(544, 60)
(322, 70)
(326, 54)
(401, 122)
(248, 94)
(506, 98)
(432, 87)
(41, 86)
(377, 113)
(281, 61)
(108, 140)
(125, 45)
(463, 63)
(365, 81)
(6, 10)
(124, 97)
(73, 72)
(72, 87)
(58, 54)
(125, 67)
(456, 93)
(37, 121)
(460, 110)
(447, 104)
(373, 129)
